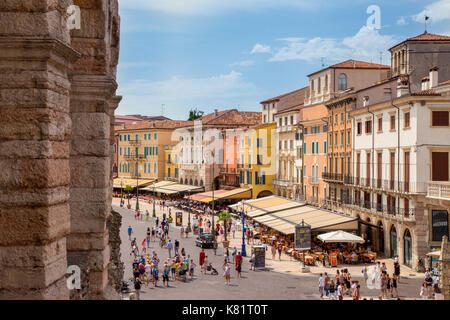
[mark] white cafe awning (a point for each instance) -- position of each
(340, 236)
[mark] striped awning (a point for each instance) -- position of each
(123, 182)
(320, 220)
(170, 187)
(238, 193)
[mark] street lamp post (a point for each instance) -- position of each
(243, 232)
(188, 229)
(121, 192)
(154, 212)
(212, 184)
(137, 192)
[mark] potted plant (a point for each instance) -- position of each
(225, 216)
(128, 189)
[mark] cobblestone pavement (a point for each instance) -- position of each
(282, 280)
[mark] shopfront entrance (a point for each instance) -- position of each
(393, 236)
(407, 252)
(380, 232)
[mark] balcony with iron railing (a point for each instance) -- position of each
(313, 180)
(135, 142)
(283, 182)
(386, 185)
(438, 190)
(379, 209)
(331, 176)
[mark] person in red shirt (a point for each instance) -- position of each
(239, 264)
(202, 258)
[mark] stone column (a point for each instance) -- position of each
(35, 127)
(444, 268)
(420, 235)
(92, 105)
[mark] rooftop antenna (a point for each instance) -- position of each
(381, 57)
(322, 61)
(426, 18)
(162, 109)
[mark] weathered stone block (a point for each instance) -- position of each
(89, 172)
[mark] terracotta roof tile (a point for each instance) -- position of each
(428, 36)
(354, 64)
(425, 37)
(428, 92)
(289, 100)
(444, 83)
(359, 65)
(283, 95)
(159, 124)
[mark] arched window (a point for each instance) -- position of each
(326, 83)
(407, 248)
(342, 81)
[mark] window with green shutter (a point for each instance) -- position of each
(304, 148)
(312, 150)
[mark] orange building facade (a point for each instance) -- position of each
(314, 127)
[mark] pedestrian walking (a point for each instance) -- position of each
(233, 229)
(365, 276)
(169, 247)
(397, 271)
(137, 288)
(166, 274)
(280, 249)
(239, 264)
(227, 255)
(181, 232)
(340, 292)
(253, 261)
(226, 272)
(130, 231)
(321, 285)
(234, 255)
(327, 283)
(394, 285)
(274, 250)
(177, 246)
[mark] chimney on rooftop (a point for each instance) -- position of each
(425, 83)
(402, 86)
(365, 101)
(216, 112)
(433, 77)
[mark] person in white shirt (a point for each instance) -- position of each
(233, 229)
(321, 285)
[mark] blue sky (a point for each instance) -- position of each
(226, 54)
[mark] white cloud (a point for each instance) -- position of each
(437, 11)
(259, 48)
(402, 21)
(245, 63)
(206, 7)
(179, 93)
(366, 45)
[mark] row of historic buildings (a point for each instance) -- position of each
(363, 139)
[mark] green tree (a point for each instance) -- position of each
(128, 189)
(225, 216)
(195, 114)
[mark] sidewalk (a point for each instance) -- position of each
(286, 265)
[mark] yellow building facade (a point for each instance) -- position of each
(256, 159)
(145, 148)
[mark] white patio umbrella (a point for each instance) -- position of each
(340, 236)
(436, 254)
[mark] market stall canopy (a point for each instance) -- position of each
(265, 205)
(320, 220)
(238, 193)
(435, 254)
(123, 182)
(170, 187)
(158, 184)
(340, 236)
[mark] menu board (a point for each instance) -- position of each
(260, 257)
(302, 237)
(179, 219)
